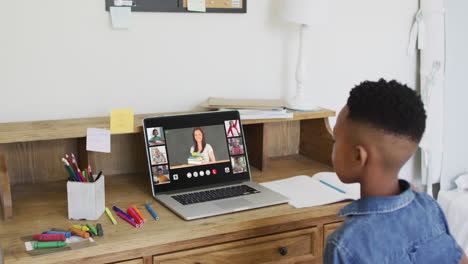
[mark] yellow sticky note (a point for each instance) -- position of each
(121, 121)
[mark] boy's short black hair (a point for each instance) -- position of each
(390, 106)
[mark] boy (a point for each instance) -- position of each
(375, 135)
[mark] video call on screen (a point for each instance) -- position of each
(190, 154)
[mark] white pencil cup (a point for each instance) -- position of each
(86, 200)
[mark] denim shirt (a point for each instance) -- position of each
(406, 228)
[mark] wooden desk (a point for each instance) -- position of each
(32, 185)
(253, 236)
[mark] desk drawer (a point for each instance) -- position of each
(302, 244)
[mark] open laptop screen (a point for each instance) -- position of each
(186, 151)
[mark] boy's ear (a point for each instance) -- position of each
(361, 155)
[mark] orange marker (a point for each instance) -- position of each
(139, 214)
(78, 232)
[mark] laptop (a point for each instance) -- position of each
(199, 166)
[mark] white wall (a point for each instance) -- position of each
(456, 93)
(61, 59)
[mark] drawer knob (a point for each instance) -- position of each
(283, 251)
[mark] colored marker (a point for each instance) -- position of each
(100, 230)
(124, 217)
(333, 187)
(92, 228)
(109, 213)
(135, 216)
(79, 232)
(117, 210)
(67, 234)
(54, 244)
(156, 217)
(139, 214)
(49, 237)
(84, 175)
(82, 228)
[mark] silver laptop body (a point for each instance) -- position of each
(202, 153)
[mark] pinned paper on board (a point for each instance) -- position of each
(121, 121)
(196, 5)
(120, 16)
(98, 140)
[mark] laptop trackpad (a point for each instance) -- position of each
(239, 203)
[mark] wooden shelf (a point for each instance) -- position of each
(76, 128)
(34, 149)
(39, 207)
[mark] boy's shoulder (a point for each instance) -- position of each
(416, 206)
(386, 228)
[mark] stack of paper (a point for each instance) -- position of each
(262, 114)
(322, 188)
(251, 108)
(259, 104)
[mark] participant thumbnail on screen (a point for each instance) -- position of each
(158, 155)
(196, 146)
(236, 146)
(232, 128)
(160, 174)
(155, 136)
(238, 164)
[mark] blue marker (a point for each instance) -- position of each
(122, 212)
(156, 217)
(333, 187)
(67, 234)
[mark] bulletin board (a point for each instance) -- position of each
(212, 6)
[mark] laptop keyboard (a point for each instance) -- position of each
(215, 194)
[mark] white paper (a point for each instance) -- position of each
(196, 5)
(306, 191)
(98, 140)
(120, 16)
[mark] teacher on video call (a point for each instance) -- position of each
(200, 146)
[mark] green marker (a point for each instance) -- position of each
(50, 244)
(92, 228)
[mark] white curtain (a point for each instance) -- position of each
(428, 35)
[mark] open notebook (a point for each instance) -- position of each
(306, 191)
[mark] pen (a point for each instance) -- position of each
(331, 186)
(99, 175)
(156, 217)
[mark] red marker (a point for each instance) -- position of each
(135, 216)
(49, 237)
(127, 219)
